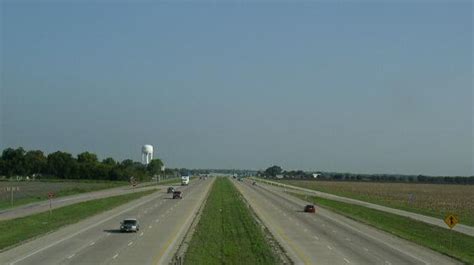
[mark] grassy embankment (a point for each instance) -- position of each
(36, 191)
(227, 233)
(427, 235)
(31, 226)
(436, 200)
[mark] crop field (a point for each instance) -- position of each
(435, 200)
(227, 233)
(33, 191)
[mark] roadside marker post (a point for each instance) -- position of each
(451, 220)
(50, 196)
(11, 190)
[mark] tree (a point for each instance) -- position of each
(87, 157)
(62, 165)
(273, 171)
(109, 161)
(154, 167)
(14, 161)
(35, 162)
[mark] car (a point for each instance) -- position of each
(254, 183)
(309, 208)
(177, 194)
(170, 190)
(129, 225)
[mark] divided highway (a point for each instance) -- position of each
(329, 238)
(163, 223)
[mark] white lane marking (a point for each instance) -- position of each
(146, 212)
(305, 230)
(149, 227)
(157, 220)
(141, 234)
(366, 249)
(130, 243)
(334, 231)
(108, 234)
(348, 239)
(115, 256)
(92, 243)
(315, 237)
(388, 262)
(70, 257)
(329, 247)
(346, 260)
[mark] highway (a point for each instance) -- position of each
(329, 238)
(96, 240)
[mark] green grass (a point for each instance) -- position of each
(35, 191)
(227, 233)
(427, 235)
(17, 230)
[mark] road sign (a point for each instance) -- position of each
(451, 220)
(50, 195)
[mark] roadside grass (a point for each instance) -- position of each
(36, 191)
(227, 233)
(17, 230)
(426, 235)
(436, 200)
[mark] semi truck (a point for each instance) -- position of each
(184, 180)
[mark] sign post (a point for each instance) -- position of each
(451, 220)
(11, 190)
(50, 196)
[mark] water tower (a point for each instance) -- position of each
(147, 154)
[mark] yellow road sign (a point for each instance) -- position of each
(451, 220)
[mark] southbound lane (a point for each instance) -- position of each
(329, 238)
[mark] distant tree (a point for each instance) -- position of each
(14, 161)
(154, 167)
(62, 165)
(35, 162)
(87, 157)
(109, 161)
(273, 171)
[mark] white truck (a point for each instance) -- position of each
(184, 180)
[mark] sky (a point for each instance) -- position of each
(347, 86)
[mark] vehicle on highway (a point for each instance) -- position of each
(129, 225)
(254, 183)
(309, 208)
(171, 190)
(184, 180)
(177, 194)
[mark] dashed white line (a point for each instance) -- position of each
(141, 234)
(388, 262)
(315, 237)
(330, 247)
(149, 227)
(157, 220)
(92, 243)
(366, 249)
(346, 260)
(130, 243)
(115, 256)
(70, 257)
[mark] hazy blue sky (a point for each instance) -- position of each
(353, 87)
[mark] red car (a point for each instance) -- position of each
(309, 208)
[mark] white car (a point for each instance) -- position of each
(129, 225)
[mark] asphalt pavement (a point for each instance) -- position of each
(97, 240)
(329, 238)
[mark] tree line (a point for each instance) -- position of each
(63, 165)
(278, 172)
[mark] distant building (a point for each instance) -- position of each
(316, 175)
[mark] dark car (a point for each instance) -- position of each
(177, 195)
(129, 225)
(309, 208)
(170, 190)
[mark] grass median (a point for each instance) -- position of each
(434, 237)
(227, 233)
(17, 230)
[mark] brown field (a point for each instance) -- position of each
(435, 200)
(33, 191)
